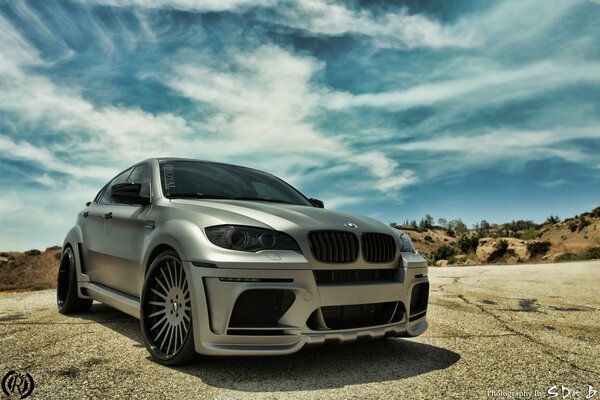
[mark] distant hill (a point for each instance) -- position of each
(30, 270)
(576, 238)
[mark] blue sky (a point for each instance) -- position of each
(463, 109)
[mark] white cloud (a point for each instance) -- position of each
(489, 147)
(491, 85)
(396, 30)
(188, 5)
(393, 29)
(263, 103)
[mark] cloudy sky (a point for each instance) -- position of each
(462, 109)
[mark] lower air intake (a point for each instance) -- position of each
(260, 308)
(356, 316)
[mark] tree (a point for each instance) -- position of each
(457, 226)
(484, 225)
(443, 222)
(429, 221)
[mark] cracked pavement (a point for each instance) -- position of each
(497, 327)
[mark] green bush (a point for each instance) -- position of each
(583, 223)
(528, 234)
(537, 249)
(33, 252)
(444, 252)
(428, 238)
(593, 252)
(568, 257)
(468, 243)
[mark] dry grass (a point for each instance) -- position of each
(23, 272)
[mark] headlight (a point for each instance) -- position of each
(245, 238)
(407, 244)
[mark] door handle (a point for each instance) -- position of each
(108, 215)
(85, 214)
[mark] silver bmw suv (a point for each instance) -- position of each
(218, 259)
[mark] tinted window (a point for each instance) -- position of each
(212, 180)
(121, 178)
(142, 174)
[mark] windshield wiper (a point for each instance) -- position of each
(263, 199)
(194, 196)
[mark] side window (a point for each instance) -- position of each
(142, 174)
(121, 178)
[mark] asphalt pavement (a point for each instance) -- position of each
(495, 332)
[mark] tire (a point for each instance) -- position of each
(166, 312)
(67, 299)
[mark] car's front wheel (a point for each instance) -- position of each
(166, 311)
(67, 300)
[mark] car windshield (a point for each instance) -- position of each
(206, 180)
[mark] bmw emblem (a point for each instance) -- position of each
(351, 225)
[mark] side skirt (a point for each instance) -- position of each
(114, 298)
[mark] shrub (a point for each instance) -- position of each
(593, 253)
(583, 223)
(528, 234)
(501, 250)
(33, 252)
(468, 243)
(428, 238)
(573, 226)
(58, 255)
(537, 249)
(443, 252)
(568, 257)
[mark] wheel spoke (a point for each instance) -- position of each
(161, 285)
(162, 271)
(158, 303)
(157, 313)
(170, 275)
(166, 324)
(164, 297)
(180, 330)
(162, 344)
(158, 323)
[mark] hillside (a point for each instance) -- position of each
(31, 270)
(576, 238)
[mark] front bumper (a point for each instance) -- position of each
(215, 291)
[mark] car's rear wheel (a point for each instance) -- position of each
(166, 311)
(67, 299)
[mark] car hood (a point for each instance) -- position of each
(287, 218)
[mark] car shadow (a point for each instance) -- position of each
(322, 367)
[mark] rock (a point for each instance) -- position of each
(512, 260)
(3, 260)
(460, 258)
(488, 245)
(441, 263)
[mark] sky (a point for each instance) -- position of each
(391, 109)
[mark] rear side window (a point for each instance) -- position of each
(121, 178)
(142, 174)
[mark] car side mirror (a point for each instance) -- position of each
(129, 193)
(317, 203)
